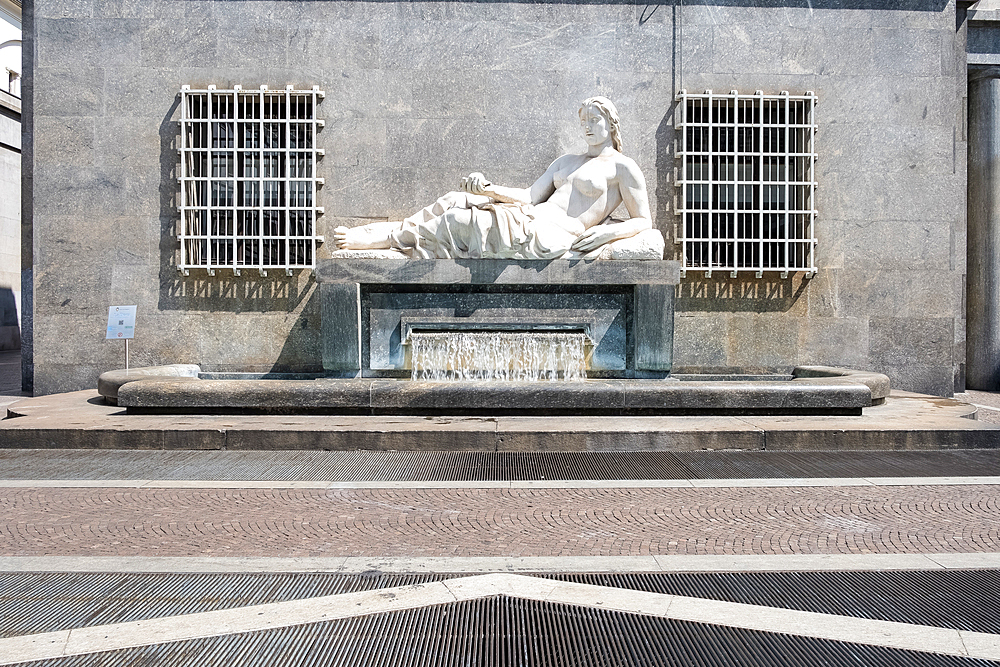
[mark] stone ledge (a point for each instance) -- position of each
(498, 272)
(9, 101)
(876, 382)
(983, 15)
(905, 422)
(109, 383)
(820, 396)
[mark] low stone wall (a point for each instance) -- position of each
(816, 390)
(109, 383)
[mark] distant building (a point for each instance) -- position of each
(822, 210)
(10, 174)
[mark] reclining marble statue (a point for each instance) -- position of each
(566, 213)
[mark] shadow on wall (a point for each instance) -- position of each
(743, 294)
(10, 332)
(664, 189)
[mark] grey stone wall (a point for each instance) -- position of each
(10, 220)
(421, 93)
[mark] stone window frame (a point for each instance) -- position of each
(747, 200)
(248, 179)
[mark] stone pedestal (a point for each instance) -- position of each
(626, 306)
(983, 310)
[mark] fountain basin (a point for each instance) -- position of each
(372, 309)
(809, 390)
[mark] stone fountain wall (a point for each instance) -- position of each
(626, 308)
(421, 93)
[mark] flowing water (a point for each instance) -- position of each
(493, 355)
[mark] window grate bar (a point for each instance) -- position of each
(683, 182)
(182, 199)
(260, 180)
(711, 210)
(788, 202)
(758, 214)
(287, 213)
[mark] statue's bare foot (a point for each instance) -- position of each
(367, 237)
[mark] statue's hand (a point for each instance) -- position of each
(475, 183)
(593, 238)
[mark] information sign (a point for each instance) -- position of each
(121, 322)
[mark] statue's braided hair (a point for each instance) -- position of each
(608, 110)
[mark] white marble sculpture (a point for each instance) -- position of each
(566, 213)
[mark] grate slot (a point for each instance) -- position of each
(42, 602)
(514, 632)
(363, 465)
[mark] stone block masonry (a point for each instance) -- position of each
(420, 94)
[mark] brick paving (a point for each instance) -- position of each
(987, 401)
(498, 522)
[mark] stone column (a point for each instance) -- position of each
(983, 278)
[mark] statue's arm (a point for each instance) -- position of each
(632, 186)
(633, 189)
(545, 186)
(539, 191)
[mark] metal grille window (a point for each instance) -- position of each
(747, 182)
(248, 179)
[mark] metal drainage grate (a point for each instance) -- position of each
(957, 599)
(42, 602)
(48, 601)
(505, 631)
(362, 465)
(377, 466)
(764, 465)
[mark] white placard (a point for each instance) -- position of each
(121, 322)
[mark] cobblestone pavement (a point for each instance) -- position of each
(497, 522)
(988, 403)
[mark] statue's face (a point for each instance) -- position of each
(595, 126)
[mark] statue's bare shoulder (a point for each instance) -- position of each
(628, 170)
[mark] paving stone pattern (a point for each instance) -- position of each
(498, 522)
(987, 401)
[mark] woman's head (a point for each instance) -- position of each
(607, 109)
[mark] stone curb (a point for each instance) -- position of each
(876, 382)
(110, 382)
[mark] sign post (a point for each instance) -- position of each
(121, 324)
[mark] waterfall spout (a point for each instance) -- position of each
(494, 355)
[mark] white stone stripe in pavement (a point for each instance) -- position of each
(518, 484)
(295, 612)
(483, 564)
(984, 407)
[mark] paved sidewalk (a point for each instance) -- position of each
(474, 522)
(988, 403)
(187, 513)
(91, 527)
